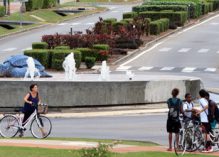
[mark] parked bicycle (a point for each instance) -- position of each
(40, 126)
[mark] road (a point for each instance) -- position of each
(192, 52)
(16, 44)
(136, 127)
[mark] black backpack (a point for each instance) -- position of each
(215, 115)
(174, 110)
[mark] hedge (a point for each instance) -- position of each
(130, 15)
(101, 47)
(58, 56)
(110, 20)
(87, 52)
(90, 62)
(178, 18)
(159, 8)
(158, 26)
(194, 9)
(62, 47)
(2, 11)
(39, 4)
(39, 45)
(39, 54)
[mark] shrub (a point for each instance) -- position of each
(39, 4)
(110, 20)
(160, 8)
(62, 47)
(49, 3)
(39, 45)
(90, 62)
(39, 54)
(179, 18)
(87, 52)
(58, 56)
(103, 51)
(2, 11)
(130, 15)
(154, 28)
(103, 55)
(128, 43)
(101, 47)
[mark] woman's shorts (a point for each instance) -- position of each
(173, 126)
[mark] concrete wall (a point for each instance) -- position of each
(66, 94)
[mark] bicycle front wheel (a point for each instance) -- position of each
(41, 127)
(9, 126)
(180, 145)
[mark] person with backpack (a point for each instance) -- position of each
(173, 122)
(213, 112)
(204, 119)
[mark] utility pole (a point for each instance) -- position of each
(5, 4)
(8, 10)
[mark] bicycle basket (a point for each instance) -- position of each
(43, 108)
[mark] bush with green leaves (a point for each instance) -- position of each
(62, 47)
(2, 11)
(39, 45)
(49, 3)
(178, 18)
(42, 55)
(101, 151)
(87, 52)
(58, 56)
(110, 20)
(101, 47)
(143, 8)
(130, 15)
(158, 26)
(39, 4)
(90, 62)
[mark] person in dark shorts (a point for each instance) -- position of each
(203, 112)
(173, 123)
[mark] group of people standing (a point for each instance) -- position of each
(206, 114)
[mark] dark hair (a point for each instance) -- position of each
(207, 94)
(175, 92)
(203, 93)
(32, 86)
(187, 94)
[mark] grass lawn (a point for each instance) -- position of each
(41, 152)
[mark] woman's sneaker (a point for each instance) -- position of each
(208, 150)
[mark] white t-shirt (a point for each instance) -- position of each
(188, 106)
(203, 115)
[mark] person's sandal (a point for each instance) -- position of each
(169, 149)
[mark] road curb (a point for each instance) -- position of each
(153, 42)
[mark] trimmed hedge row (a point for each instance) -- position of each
(39, 45)
(194, 9)
(130, 15)
(110, 20)
(143, 8)
(53, 58)
(87, 52)
(176, 18)
(158, 26)
(2, 11)
(39, 4)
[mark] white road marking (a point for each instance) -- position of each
(115, 11)
(28, 48)
(184, 50)
(111, 8)
(90, 23)
(167, 68)
(142, 53)
(214, 23)
(74, 24)
(9, 49)
(123, 68)
(62, 24)
(145, 68)
(165, 49)
(188, 69)
(203, 50)
(210, 69)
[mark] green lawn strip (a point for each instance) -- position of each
(125, 142)
(44, 152)
(96, 1)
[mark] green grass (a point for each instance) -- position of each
(42, 152)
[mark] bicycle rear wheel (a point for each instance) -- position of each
(41, 127)
(9, 126)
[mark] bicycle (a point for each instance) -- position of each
(40, 126)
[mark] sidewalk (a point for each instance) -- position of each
(76, 145)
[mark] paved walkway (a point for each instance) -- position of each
(76, 145)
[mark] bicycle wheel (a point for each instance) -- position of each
(9, 126)
(41, 127)
(198, 140)
(180, 148)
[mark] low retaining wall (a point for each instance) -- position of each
(72, 94)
